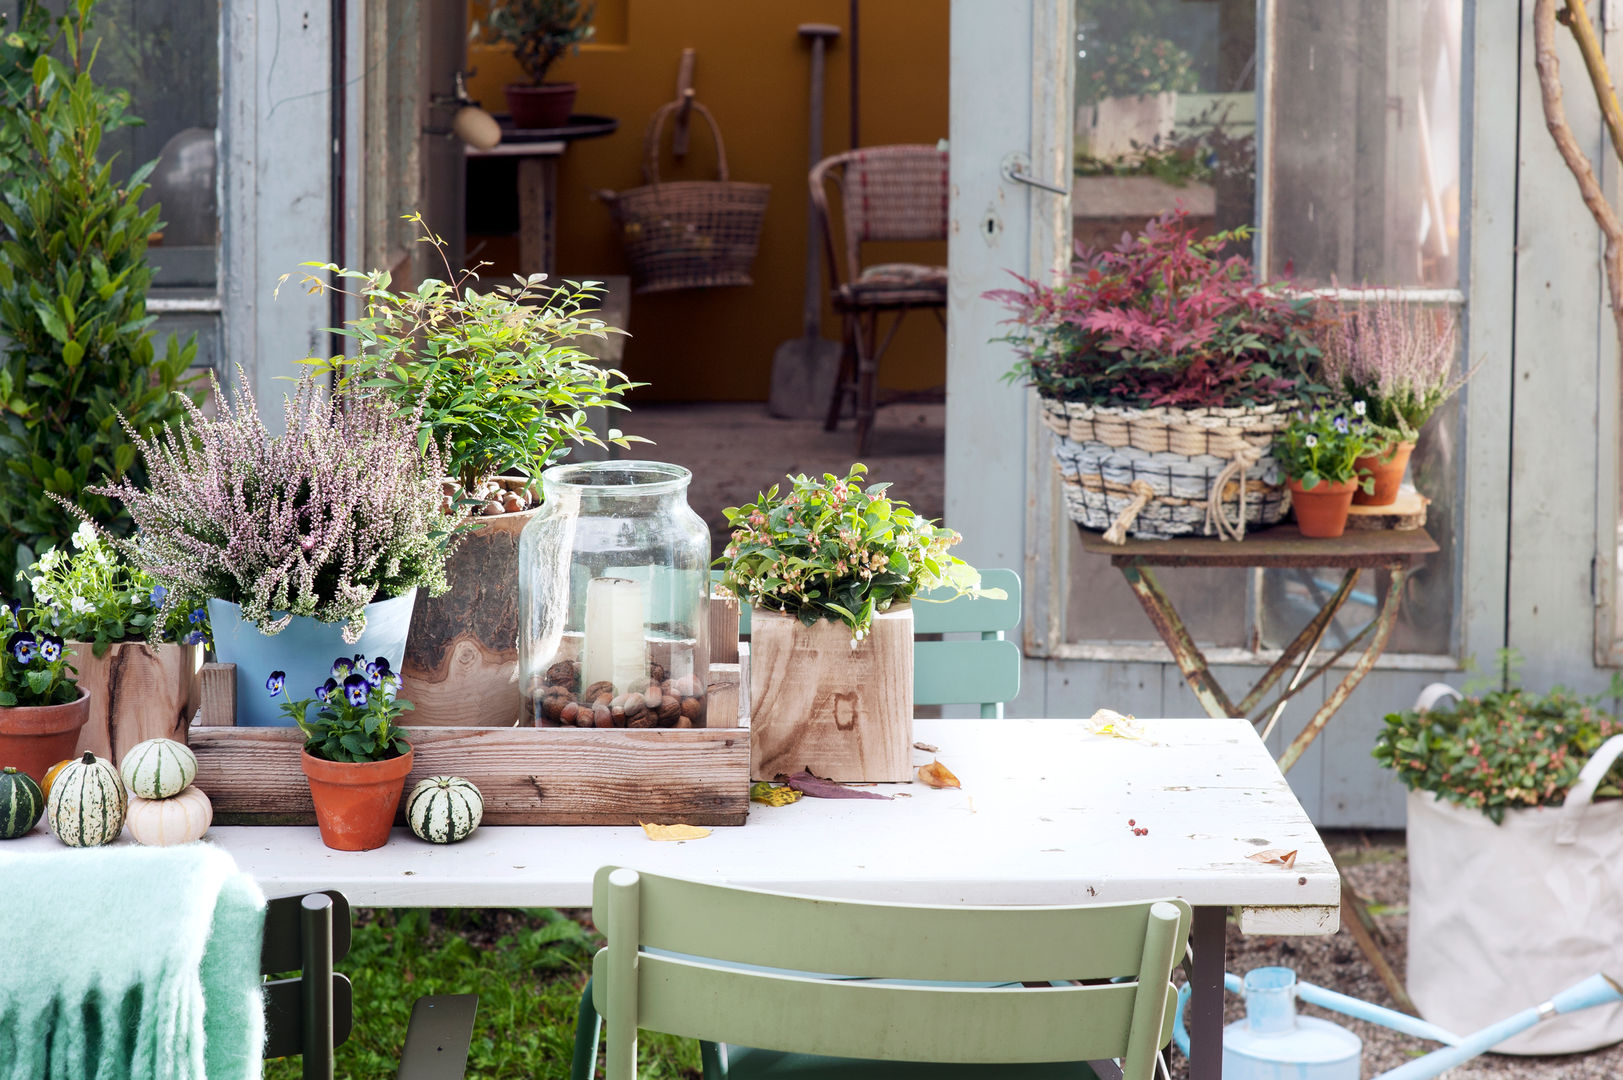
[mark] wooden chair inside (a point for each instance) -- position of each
(311, 1013)
(887, 193)
(908, 991)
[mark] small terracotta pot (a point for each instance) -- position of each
(356, 801)
(1322, 512)
(35, 737)
(1388, 474)
(546, 106)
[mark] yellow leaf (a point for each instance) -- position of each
(1112, 723)
(673, 832)
(1287, 859)
(937, 775)
(773, 794)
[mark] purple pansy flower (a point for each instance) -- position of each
(22, 646)
(357, 690)
(275, 682)
(51, 648)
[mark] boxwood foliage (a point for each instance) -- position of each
(78, 342)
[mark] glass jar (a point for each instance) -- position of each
(613, 593)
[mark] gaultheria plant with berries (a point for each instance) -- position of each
(340, 511)
(1163, 318)
(834, 549)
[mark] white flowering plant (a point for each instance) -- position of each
(95, 595)
(1324, 442)
(833, 549)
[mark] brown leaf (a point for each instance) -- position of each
(673, 832)
(937, 775)
(1287, 859)
(928, 748)
(820, 788)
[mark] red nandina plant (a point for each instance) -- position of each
(1163, 319)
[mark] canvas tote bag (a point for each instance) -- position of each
(1503, 916)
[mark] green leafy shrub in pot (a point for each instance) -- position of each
(358, 715)
(540, 31)
(73, 284)
(1501, 749)
(832, 549)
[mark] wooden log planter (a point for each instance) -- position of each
(137, 692)
(527, 775)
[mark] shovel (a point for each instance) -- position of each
(804, 369)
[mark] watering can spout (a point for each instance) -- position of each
(1598, 989)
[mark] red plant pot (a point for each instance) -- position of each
(356, 802)
(546, 106)
(35, 737)
(1322, 512)
(1387, 472)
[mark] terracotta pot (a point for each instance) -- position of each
(356, 802)
(1322, 512)
(35, 737)
(1388, 474)
(546, 106)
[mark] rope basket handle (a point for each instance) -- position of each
(1142, 494)
(651, 139)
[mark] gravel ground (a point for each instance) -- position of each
(1376, 865)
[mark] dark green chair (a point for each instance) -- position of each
(983, 671)
(926, 992)
(312, 1013)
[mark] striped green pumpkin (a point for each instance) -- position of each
(158, 768)
(444, 809)
(21, 803)
(87, 803)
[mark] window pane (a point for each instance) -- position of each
(1365, 154)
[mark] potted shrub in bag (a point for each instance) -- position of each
(540, 31)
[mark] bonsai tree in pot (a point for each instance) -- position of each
(495, 379)
(540, 31)
(303, 542)
(830, 568)
(1508, 785)
(42, 706)
(1163, 345)
(1320, 452)
(355, 757)
(1397, 356)
(137, 655)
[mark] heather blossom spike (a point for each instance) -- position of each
(1394, 356)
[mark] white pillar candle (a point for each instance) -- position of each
(616, 638)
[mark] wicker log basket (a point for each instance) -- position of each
(1164, 472)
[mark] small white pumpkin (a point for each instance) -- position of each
(444, 809)
(87, 803)
(158, 768)
(179, 819)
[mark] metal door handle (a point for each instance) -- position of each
(1017, 170)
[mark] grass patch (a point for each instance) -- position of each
(527, 967)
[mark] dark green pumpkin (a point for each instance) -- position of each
(21, 803)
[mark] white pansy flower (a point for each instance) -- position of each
(1358, 408)
(1311, 441)
(78, 605)
(84, 536)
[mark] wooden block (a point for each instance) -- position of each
(528, 776)
(137, 692)
(1408, 511)
(722, 707)
(217, 696)
(723, 619)
(818, 703)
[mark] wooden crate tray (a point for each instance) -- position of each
(528, 776)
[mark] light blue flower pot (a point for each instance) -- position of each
(305, 650)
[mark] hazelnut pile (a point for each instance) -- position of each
(495, 496)
(659, 702)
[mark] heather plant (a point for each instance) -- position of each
(1500, 749)
(1163, 319)
(357, 712)
(1398, 356)
(95, 595)
(34, 669)
(494, 376)
(78, 347)
(1323, 444)
(834, 549)
(341, 510)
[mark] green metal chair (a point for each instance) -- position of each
(312, 1013)
(684, 958)
(984, 672)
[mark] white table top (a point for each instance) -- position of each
(1041, 819)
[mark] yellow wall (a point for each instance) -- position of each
(751, 71)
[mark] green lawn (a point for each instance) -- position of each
(527, 968)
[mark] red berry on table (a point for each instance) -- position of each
(1131, 823)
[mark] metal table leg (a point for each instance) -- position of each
(1208, 939)
(1191, 661)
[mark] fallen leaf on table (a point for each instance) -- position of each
(773, 794)
(1112, 723)
(926, 747)
(1287, 859)
(937, 775)
(819, 788)
(673, 832)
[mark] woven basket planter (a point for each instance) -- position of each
(1164, 472)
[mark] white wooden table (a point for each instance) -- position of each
(1041, 819)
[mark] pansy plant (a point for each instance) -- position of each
(34, 668)
(1324, 443)
(356, 711)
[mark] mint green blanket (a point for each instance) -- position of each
(129, 963)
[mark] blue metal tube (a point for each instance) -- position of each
(1375, 1014)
